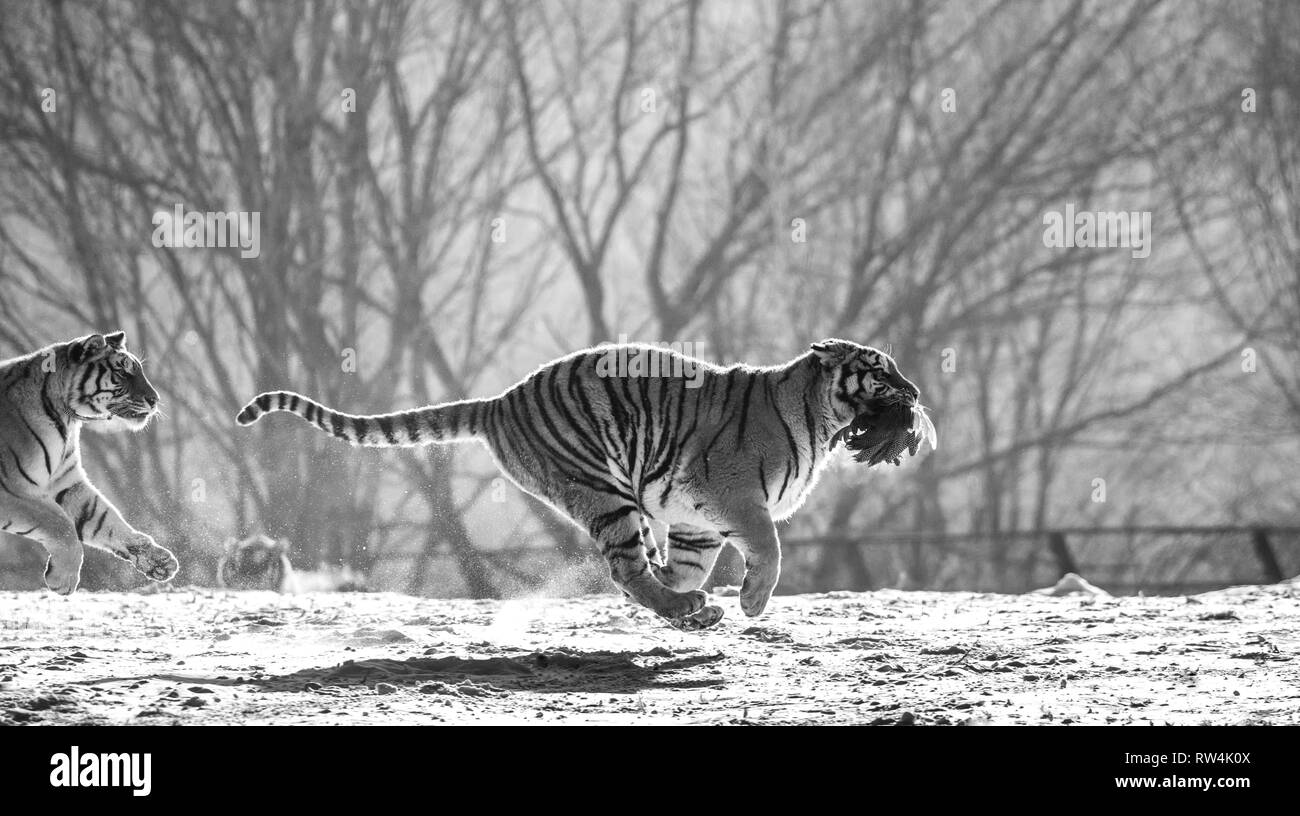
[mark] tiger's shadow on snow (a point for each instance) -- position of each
(540, 672)
(552, 671)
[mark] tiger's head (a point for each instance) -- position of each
(860, 378)
(257, 562)
(105, 384)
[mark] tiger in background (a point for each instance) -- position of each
(258, 562)
(262, 563)
(719, 456)
(46, 397)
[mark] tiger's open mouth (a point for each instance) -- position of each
(884, 430)
(135, 416)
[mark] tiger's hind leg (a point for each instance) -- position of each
(659, 559)
(692, 552)
(43, 522)
(616, 527)
(606, 509)
(656, 555)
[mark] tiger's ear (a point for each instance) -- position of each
(116, 340)
(832, 353)
(84, 348)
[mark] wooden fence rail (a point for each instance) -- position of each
(1057, 542)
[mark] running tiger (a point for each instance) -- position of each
(718, 456)
(45, 399)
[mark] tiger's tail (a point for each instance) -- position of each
(449, 422)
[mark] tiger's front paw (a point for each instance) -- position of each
(154, 562)
(757, 588)
(62, 578)
(704, 619)
(675, 605)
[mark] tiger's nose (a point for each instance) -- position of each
(906, 386)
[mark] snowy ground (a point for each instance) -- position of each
(200, 656)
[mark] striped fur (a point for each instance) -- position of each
(257, 562)
(718, 454)
(451, 422)
(45, 399)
